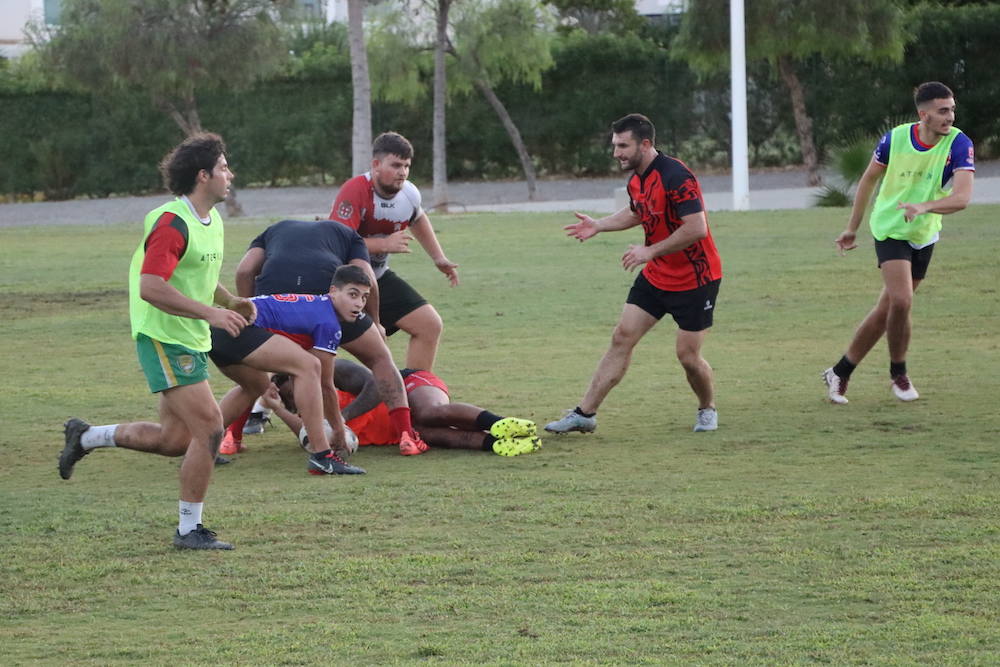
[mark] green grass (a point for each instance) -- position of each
(800, 532)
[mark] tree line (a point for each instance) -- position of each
(528, 89)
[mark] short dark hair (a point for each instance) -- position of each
(931, 90)
(350, 274)
(180, 167)
(640, 127)
(392, 143)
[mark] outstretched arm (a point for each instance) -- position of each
(424, 233)
(588, 227)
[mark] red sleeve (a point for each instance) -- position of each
(165, 246)
(352, 200)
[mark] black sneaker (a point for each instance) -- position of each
(255, 424)
(328, 463)
(200, 538)
(73, 451)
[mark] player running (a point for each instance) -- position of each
(681, 271)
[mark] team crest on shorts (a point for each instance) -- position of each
(345, 210)
(186, 363)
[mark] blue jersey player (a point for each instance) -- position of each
(296, 334)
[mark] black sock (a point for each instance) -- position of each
(488, 441)
(897, 369)
(580, 412)
(844, 368)
(320, 455)
(485, 419)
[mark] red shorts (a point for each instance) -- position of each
(424, 379)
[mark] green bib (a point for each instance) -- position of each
(196, 277)
(911, 176)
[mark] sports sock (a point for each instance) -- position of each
(897, 368)
(236, 428)
(580, 412)
(190, 516)
(400, 418)
(488, 441)
(485, 419)
(844, 368)
(98, 436)
(320, 455)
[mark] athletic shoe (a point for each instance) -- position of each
(412, 445)
(572, 421)
(331, 464)
(72, 451)
(708, 420)
(221, 460)
(836, 386)
(512, 427)
(255, 424)
(200, 538)
(229, 446)
(903, 389)
(516, 446)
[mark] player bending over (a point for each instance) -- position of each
(302, 322)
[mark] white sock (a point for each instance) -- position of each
(190, 515)
(261, 408)
(98, 436)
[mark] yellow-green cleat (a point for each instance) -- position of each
(512, 427)
(516, 446)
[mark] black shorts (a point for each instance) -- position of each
(351, 330)
(691, 309)
(227, 350)
(396, 300)
(895, 249)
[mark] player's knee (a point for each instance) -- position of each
(307, 367)
(624, 337)
(900, 303)
(430, 325)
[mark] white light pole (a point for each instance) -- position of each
(738, 109)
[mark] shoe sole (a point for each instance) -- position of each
(571, 430)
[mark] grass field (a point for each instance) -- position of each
(800, 532)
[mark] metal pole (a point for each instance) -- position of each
(738, 110)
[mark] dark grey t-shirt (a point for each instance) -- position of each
(301, 256)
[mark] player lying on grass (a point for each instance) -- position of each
(441, 422)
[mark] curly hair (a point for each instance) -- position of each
(180, 167)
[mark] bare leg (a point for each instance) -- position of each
(699, 372)
(632, 326)
(424, 326)
(195, 406)
(875, 323)
(281, 355)
(451, 438)
(899, 287)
